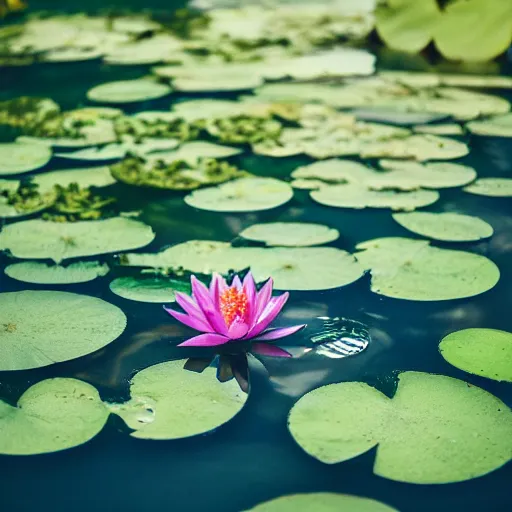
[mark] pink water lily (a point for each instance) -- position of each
(233, 313)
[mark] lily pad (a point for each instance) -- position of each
(440, 129)
(434, 430)
(217, 82)
(291, 234)
(395, 116)
(358, 196)
(448, 227)
(148, 289)
(39, 328)
(83, 177)
(52, 415)
(242, 195)
(492, 187)
(192, 151)
(483, 352)
(198, 403)
(498, 126)
(42, 273)
(321, 502)
(408, 269)
(37, 239)
(18, 157)
(128, 91)
(17, 200)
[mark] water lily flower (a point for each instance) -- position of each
(233, 313)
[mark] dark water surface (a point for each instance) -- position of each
(253, 458)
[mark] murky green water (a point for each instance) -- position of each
(253, 457)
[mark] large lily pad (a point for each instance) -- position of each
(193, 151)
(448, 227)
(242, 195)
(83, 177)
(359, 196)
(321, 502)
(413, 270)
(52, 415)
(483, 352)
(37, 239)
(148, 289)
(184, 403)
(18, 157)
(39, 328)
(18, 200)
(498, 126)
(42, 273)
(128, 91)
(434, 430)
(291, 234)
(492, 187)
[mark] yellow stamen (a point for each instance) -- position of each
(233, 304)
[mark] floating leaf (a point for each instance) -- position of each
(52, 415)
(208, 109)
(448, 227)
(358, 196)
(413, 270)
(221, 80)
(42, 273)
(37, 239)
(474, 30)
(148, 289)
(83, 177)
(434, 430)
(197, 404)
(17, 200)
(128, 91)
(498, 126)
(290, 234)
(407, 25)
(39, 328)
(242, 195)
(395, 116)
(18, 157)
(440, 129)
(321, 502)
(483, 352)
(191, 152)
(492, 187)
(72, 55)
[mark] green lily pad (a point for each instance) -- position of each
(197, 404)
(359, 196)
(83, 177)
(498, 126)
(440, 129)
(242, 195)
(291, 234)
(17, 200)
(448, 227)
(42, 273)
(308, 268)
(413, 270)
(72, 55)
(191, 152)
(478, 30)
(18, 157)
(208, 109)
(128, 91)
(37, 239)
(321, 502)
(394, 116)
(483, 352)
(407, 25)
(52, 415)
(220, 81)
(434, 430)
(148, 289)
(39, 328)
(492, 187)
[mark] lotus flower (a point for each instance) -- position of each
(233, 313)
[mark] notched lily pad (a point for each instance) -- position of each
(448, 227)
(148, 289)
(39, 328)
(42, 273)
(408, 269)
(434, 430)
(197, 404)
(483, 352)
(52, 415)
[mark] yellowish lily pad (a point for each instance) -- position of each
(20, 157)
(128, 91)
(492, 187)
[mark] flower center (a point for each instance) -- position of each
(233, 304)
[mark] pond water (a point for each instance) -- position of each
(253, 458)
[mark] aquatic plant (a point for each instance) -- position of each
(237, 312)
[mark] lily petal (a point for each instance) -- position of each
(192, 309)
(265, 349)
(273, 308)
(217, 286)
(250, 292)
(204, 301)
(236, 283)
(263, 298)
(238, 329)
(205, 340)
(275, 334)
(192, 322)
